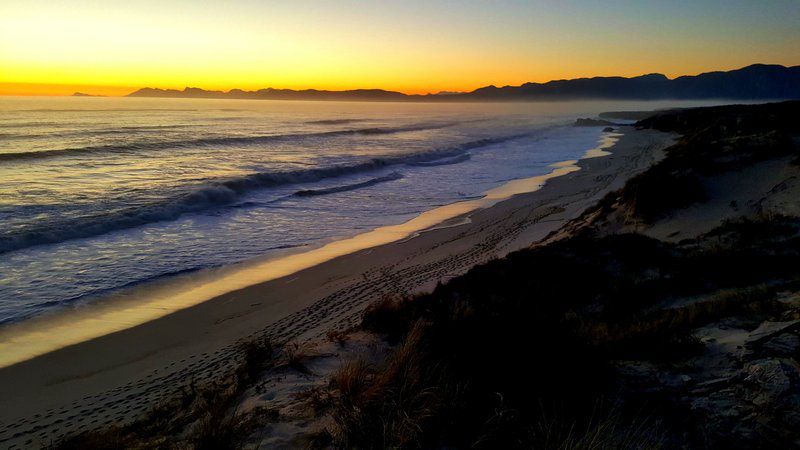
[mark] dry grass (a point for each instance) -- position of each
(256, 357)
(388, 405)
(387, 316)
(218, 427)
(318, 399)
(295, 356)
(351, 380)
(605, 429)
(515, 353)
(201, 417)
(338, 337)
(667, 333)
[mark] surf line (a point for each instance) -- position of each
(141, 304)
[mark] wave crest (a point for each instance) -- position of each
(443, 162)
(205, 142)
(219, 193)
(349, 187)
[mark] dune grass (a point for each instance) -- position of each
(519, 351)
(715, 140)
(200, 418)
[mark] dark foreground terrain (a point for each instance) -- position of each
(666, 316)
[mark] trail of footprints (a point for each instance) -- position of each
(340, 310)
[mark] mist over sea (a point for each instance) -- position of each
(99, 194)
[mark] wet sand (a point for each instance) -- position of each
(156, 351)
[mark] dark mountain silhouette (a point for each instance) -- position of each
(276, 94)
(758, 81)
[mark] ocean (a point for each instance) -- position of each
(98, 195)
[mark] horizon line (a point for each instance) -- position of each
(124, 91)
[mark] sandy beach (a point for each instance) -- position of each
(250, 225)
(119, 376)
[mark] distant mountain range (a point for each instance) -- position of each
(758, 81)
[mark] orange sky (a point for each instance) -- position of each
(114, 47)
(62, 89)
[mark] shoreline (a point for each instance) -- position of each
(152, 360)
(152, 300)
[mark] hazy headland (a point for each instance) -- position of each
(758, 81)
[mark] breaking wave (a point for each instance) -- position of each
(221, 141)
(335, 121)
(442, 162)
(223, 192)
(348, 187)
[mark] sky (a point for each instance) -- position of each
(113, 47)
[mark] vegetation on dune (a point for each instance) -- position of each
(716, 139)
(726, 121)
(200, 418)
(520, 349)
(518, 345)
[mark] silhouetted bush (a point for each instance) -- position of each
(499, 351)
(716, 140)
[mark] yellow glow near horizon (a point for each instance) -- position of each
(45, 89)
(113, 47)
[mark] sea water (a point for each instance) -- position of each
(101, 194)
